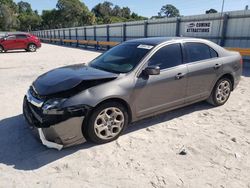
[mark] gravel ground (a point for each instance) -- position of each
(216, 140)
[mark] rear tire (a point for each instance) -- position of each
(1, 49)
(221, 92)
(106, 123)
(32, 48)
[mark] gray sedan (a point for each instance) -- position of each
(132, 81)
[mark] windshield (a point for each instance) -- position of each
(122, 58)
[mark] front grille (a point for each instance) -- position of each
(36, 109)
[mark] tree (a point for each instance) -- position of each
(8, 19)
(29, 22)
(103, 9)
(51, 19)
(71, 12)
(108, 13)
(125, 12)
(116, 11)
(28, 19)
(12, 5)
(211, 11)
(135, 17)
(168, 11)
(24, 7)
(68, 13)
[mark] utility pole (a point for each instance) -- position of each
(221, 18)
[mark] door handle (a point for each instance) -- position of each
(180, 76)
(217, 66)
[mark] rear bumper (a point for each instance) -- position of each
(57, 134)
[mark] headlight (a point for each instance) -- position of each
(53, 106)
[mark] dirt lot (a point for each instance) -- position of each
(217, 140)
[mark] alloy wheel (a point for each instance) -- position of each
(32, 48)
(223, 91)
(109, 123)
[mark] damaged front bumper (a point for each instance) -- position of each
(56, 130)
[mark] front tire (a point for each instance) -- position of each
(32, 48)
(221, 92)
(106, 123)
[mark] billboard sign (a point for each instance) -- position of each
(198, 27)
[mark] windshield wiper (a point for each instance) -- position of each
(107, 70)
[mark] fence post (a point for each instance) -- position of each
(77, 44)
(94, 28)
(54, 35)
(177, 30)
(146, 29)
(124, 32)
(108, 35)
(50, 34)
(63, 35)
(59, 36)
(70, 36)
(85, 36)
(224, 29)
(85, 33)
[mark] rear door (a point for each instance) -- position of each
(21, 41)
(10, 42)
(203, 69)
(167, 90)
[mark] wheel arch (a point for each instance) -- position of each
(30, 44)
(121, 101)
(228, 76)
(2, 46)
(113, 99)
(118, 100)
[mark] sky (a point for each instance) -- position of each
(150, 8)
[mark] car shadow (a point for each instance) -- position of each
(15, 52)
(20, 149)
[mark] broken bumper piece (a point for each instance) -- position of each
(48, 143)
(55, 131)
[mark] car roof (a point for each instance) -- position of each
(16, 33)
(158, 40)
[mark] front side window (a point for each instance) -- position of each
(122, 58)
(199, 51)
(167, 57)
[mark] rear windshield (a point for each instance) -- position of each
(122, 58)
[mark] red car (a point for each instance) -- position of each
(19, 41)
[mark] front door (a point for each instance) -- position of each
(158, 93)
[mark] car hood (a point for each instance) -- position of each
(66, 78)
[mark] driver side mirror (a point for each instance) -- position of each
(5, 38)
(152, 70)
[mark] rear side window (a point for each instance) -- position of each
(213, 53)
(199, 51)
(21, 36)
(167, 57)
